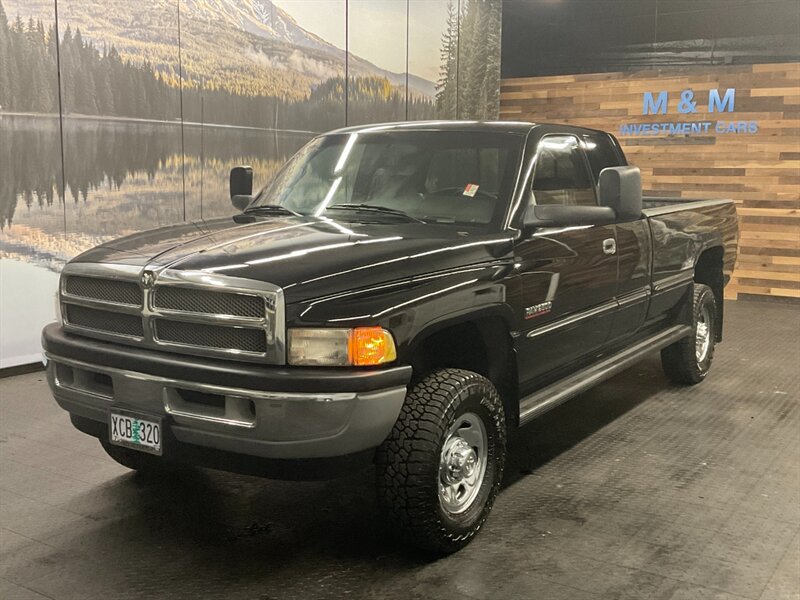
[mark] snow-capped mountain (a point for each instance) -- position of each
(258, 17)
(264, 19)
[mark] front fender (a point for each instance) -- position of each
(413, 308)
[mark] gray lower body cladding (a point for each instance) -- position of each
(307, 422)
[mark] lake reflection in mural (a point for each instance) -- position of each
(121, 177)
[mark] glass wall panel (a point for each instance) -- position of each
(432, 58)
(258, 80)
(121, 118)
(377, 32)
(32, 244)
(479, 59)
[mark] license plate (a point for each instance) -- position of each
(133, 431)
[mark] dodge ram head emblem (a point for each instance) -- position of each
(148, 279)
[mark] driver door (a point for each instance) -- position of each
(568, 274)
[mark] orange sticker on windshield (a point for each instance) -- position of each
(471, 189)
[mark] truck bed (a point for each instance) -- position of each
(683, 228)
(657, 205)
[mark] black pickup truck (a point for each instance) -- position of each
(405, 295)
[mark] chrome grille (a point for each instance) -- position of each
(212, 336)
(106, 290)
(104, 320)
(201, 301)
(188, 312)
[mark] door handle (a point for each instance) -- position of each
(610, 246)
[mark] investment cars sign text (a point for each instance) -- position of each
(659, 103)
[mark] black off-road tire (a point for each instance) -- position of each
(141, 462)
(679, 361)
(408, 461)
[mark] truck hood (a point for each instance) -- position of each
(307, 257)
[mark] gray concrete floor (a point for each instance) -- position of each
(637, 489)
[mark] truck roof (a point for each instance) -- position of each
(521, 127)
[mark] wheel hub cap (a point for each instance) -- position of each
(462, 463)
(703, 335)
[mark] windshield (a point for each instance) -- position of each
(456, 177)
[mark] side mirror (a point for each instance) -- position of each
(560, 215)
(241, 186)
(621, 189)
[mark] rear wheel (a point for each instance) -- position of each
(440, 468)
(689, 360)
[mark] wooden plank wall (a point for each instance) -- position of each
(760, 171)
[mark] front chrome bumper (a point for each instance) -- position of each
(266, 424)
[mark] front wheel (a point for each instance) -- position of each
(441, 466)
(688, 361)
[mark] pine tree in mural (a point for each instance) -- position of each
(5, 60)
(469, 76)
(26, 68)
(446, 98)
(491, 72)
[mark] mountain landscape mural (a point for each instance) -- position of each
(243, 48)
(158, 99)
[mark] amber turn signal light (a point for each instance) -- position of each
(371, 346)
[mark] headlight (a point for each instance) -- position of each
(362, 346)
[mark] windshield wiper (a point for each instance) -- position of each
(273, 209)
(374, 208)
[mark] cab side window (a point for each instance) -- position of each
(561, 175)
(601, 153)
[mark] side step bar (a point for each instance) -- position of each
(559, 392)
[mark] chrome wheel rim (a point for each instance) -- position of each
(462, 463)
(703, 335)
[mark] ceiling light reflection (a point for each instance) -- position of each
(345, 153)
